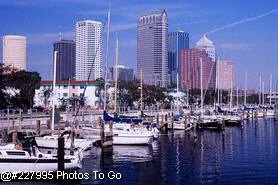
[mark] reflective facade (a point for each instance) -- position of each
(152, 47)
(177, 41)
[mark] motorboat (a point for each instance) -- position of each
(232, 120)
(209, 123)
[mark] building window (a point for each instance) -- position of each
(73, 86)
(82, 87)
(65, 86)
(65, 94)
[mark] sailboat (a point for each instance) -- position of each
(211, 122)
(50, 143)
(31, 158)
(126, 130)
(179, 122)
(232, 119)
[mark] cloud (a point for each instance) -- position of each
(235, 46)
(250, 19)
(45, 38)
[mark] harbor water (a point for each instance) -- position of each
(246, 155)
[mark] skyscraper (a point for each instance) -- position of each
(14, 51)
(177, 41)
(124, 73)
(65, 66)
(88, 49)
(225, 74)
(190, 69)
(207, 45)
(152, 46)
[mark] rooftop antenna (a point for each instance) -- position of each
(60, 34)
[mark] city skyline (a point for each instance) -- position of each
(252, 52)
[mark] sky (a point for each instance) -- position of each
(243, 31)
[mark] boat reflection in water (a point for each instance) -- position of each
(132, 153)
(239, 155)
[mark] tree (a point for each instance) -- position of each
(24, 83)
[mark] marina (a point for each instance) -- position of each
(147, 92)
(242, 155)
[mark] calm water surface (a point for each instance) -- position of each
(247, 155)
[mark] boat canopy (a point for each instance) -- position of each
(106, 117)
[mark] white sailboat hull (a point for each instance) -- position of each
(124, 139)
(51, 142)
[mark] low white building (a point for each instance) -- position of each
(65, 91)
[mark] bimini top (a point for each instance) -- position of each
(106, 117)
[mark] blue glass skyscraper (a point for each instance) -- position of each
(177, 41)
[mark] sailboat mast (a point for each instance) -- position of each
(263, 93)
(237, 98)
(141, 90)
(231, 96)
(106, 59)
(245, 90)
(270, 90)
(116, 75)
(177, 82)
(217, 81)
(54, 90)
(201, 83)
(260, 89)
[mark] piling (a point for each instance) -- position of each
(110, 126)
(38, 124)
(13, 125)
(157, 120)
(61, 153)
(48, 124)
(185, 121)
(5, 135)
(101, 123)
(14, 137)
(256, 114)
(67, 124)
(72, 136)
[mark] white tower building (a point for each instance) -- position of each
(205, 44)
(88, 49)
(14, 51)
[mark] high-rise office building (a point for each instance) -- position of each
(177, 41)
(207, 45)
(65, 65)
(152, 46)
(88, 49)
(124, 73)
(191, 63)
(225, 74)
(14, 51)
